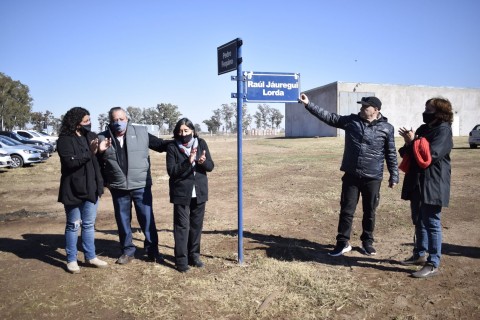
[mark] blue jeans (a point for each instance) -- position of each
(142, 200)
(428, 231)
(83, 216)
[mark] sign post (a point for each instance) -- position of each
(229, 58)
(260, 87)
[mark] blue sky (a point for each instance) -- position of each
(100, 54)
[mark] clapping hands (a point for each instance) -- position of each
(105, 144)
(193, 156)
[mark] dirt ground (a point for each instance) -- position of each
(291, 204)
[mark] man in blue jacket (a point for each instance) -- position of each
(126, 172)
(369, 140)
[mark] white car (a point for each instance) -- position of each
(5, 159)
(34, 135)
(474, 137)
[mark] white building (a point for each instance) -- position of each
(401, 104)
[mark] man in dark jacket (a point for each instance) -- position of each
(369, 140)
(126, 171)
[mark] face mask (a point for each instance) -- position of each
(428, 117)
(119, 126)
(186, 139)
(87, 128)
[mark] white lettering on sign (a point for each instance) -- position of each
(227, 54)
(252, 84)
(227, 63)
(272, 84)
(288, 86)
(273, 93)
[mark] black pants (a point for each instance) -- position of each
(352, 188)
(187, 230)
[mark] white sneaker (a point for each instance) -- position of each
(97, 263)
(73, 267)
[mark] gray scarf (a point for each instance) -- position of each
(186, 149)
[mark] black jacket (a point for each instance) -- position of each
(433, 182)
(367, 144)
(81, 178)
(181, 174)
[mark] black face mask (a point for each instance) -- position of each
(186, 139)
(428, 117)
(86, 129)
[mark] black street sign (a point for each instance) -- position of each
(227, 56)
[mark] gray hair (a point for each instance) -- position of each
(114, 109)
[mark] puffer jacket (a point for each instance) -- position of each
(433, 182)
(367, 144)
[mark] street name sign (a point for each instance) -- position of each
(271, 87)
(227, 59)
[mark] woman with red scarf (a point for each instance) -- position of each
(427, 182)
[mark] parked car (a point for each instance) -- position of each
(43, 152)
(5, 159)
(474, 137)
(31, 134)
(21, 154)
(54, 138)
(44, 146)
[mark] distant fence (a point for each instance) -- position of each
(262, 132)
(155, 130)
(252, 132)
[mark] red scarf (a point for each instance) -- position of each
(421, 153)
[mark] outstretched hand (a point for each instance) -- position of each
(303, 99)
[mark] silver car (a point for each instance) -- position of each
(5, 159)
(21, 154)
(474, 137)
(44, 153)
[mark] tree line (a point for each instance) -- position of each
(224, 119)
(16, 112)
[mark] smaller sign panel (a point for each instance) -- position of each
(272, 87)
(227, 56)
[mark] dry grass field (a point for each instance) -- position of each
(291, 193)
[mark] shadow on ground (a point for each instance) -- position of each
(293, 249)
(45, 248)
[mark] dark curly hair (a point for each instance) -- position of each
(443, 109)
(71, 120)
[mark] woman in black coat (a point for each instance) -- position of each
(188, 161)
(427, 183)
(81, 185)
